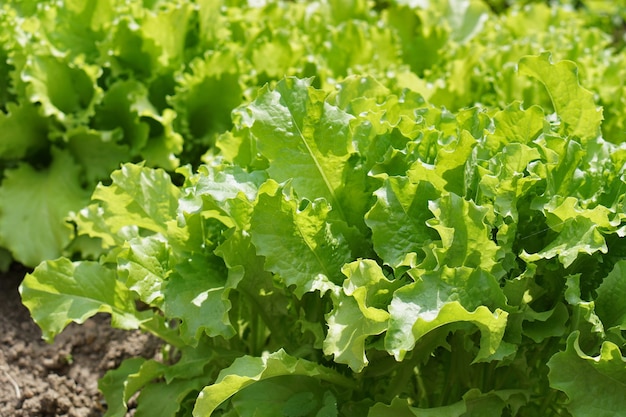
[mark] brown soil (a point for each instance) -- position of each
(61, 379)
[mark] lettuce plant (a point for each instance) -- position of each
(87, 86)
(358, 250)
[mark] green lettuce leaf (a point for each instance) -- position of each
(596, 386)
(608, 304)
(60, 292)
(143, 265)
(248, 370)
(451, 162)
(573, 103)
(137, 375)
(291, 396)
(305, 139)
(98, 152)
(398, 220)
(281, 226)
(206, 96)
(446, 296)
(37, 203)
(580, 236)
(121, 108)
(225, 193)
(474, 404)
(197, 293)
(114, 383)
(360, 311)
(465, 234)
(66, 90)
(508, 182)
(137, 197)
(166, 27)
(23, 131)
(248, 269)
(515, 124)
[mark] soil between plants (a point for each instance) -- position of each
(38, 379)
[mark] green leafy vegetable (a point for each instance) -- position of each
(392, 208)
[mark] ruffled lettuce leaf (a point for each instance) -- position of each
(60, 292)
(360, 311)
(299, 132)
(595, 386)
(247, 370)
(573, 104)
(37, 203)
(445, 296)
(281, 225)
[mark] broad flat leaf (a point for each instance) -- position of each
(473, 404)
(420, 44)
(74, 29)
(490, 324)
(360, 311)
(60, 292)
(400, 407)
(596, 386)
(164, 142)
(356, 43)
(127, 107)
(168, 399)
(247, 370)
(560, 211)
(398, 220)
(466, 18)
(36, 204)
(197, 293)
(573, 103)
(305, 138)
(563, 159)
(128, 51)
(355, 88)
(587, 322)
(274, 51)
(298, 243)
(543, 325)
(155, 398)
(95, 15)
